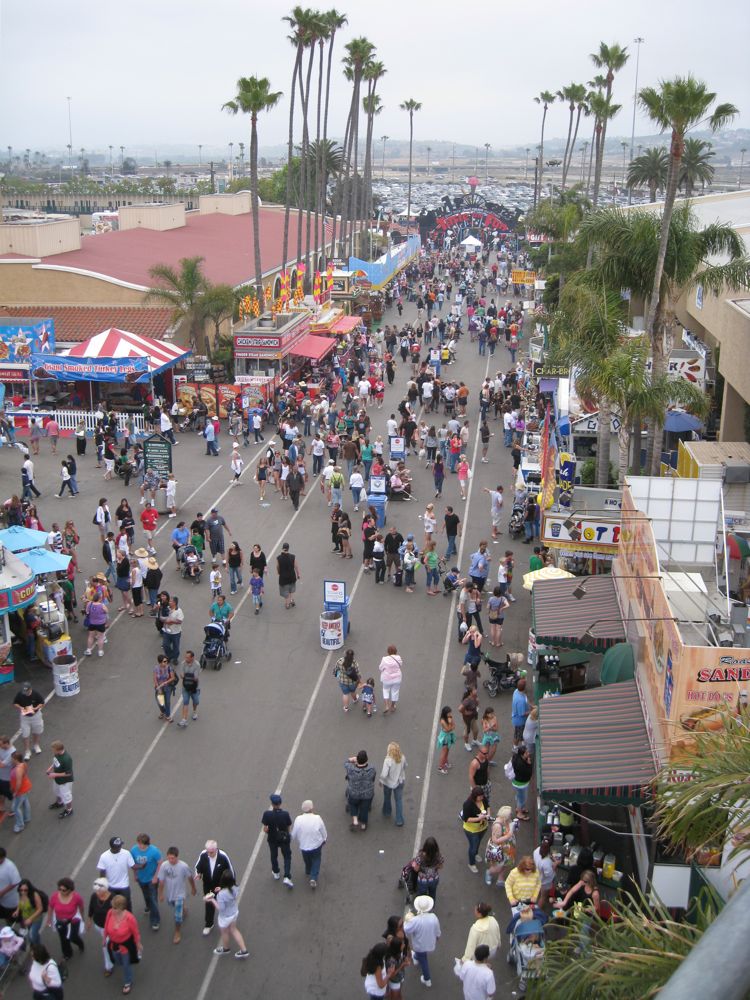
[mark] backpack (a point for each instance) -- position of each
(190, 682)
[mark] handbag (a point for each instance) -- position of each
(508, 770)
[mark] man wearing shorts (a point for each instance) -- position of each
(216, 525)
(29, 704)
(286, 565)
(61, 772)
(496, 510)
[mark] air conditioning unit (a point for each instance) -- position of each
(736, 472)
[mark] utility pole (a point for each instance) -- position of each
(111, 163)
(429, 150)
(624, 167)
(200, 155)
(742, 164)
(487, 147)
(70, 134)
(638, 42)
(526, 168)
(384, 139)
(231, 161)
(122, 157)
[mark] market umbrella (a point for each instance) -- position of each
(677, 422)
(17, 538)
(738, 547)
(546, 573)
(42, 561)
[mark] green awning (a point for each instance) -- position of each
(618, 664)
(591, 620)
(594, 746)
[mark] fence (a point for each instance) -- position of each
(69, 419)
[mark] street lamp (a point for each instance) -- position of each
(122, 158)
(111, 165)
(200, 155)
(429, 150)
(487, 148)
(742, 164)
(638, 42)
(384, 139)
(10, 159)
(242, 159)
(624, 148)
(70, 133)
(526, 168)
(231, 161)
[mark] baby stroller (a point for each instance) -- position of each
(517, 517)
(215, 645)
(504, 674)
(526, 949)
(190, 563)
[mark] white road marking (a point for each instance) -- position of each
(324, 671)
(446, 653)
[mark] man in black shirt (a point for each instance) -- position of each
(276, 825)
(452, 530)
(391, 543)
(30, 704)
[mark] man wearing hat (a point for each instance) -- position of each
(423, 931)
(149, 521)
(30, 704)
(152, 582)
(309, 831)
(115, 865)
(276, 825)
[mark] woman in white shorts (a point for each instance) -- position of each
(225, 901)
(390, 677)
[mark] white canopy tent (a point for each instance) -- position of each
(470, 242)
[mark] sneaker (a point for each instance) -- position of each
(467, 746)
(65, 813)
(473, 869)
(87, 652)
(276, 875)
(222, 951)
(27, 756)
(425, 982)
(313, 884)
(288, 883)
(195, 716)
(207, 931)
(182, 724)
(442, 770)
(155, 927)
(100, 653)
(487, 878)
(242, 953)
(511, 598)
(37, 749)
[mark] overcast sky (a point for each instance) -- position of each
(156, 72)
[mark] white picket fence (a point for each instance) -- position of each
(68, 419)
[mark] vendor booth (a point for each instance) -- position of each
(17, 591)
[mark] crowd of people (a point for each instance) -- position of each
(343, 444)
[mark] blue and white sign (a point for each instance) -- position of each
(334, 591)
(67, 369)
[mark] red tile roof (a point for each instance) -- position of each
(224, 241)
(74, 324)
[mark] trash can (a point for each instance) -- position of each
(379, 503)
(331, 630)
(65, 675)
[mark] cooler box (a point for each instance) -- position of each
(379, 503)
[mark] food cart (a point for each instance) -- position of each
(17, 591)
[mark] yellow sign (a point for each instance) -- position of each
(519, 277)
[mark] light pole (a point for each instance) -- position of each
(584, 146)
(231, 161)
(624, 150)
(742, 164)
(242, 159)
(70, 133)
(200, 156)
(429, 150)
(384, 139)
(638, 42)
(122, 158)
(487, 148)
(10, 159)
(111, 164)
(526, 168)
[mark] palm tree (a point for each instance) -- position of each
(295, 20)
(612, 58)
(334, 22)
(678, 105)
(649, 170)
(358, 53)
(254, 95)
(597, 84)
(577, 98)
(184, 290)
(696, 168)
(314, 28)
(410, 106)
(627, 249)
(545, 99)
(372, 106)
(218, 305)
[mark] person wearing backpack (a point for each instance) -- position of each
(191, 691)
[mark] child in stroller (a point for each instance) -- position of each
(526, 945)
(190, 563)
(215, 645)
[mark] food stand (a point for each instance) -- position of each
(17, 591)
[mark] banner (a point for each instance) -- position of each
(565, 479)
(67, 369)
(547, 465)
(19, 342)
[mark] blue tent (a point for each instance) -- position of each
(677, 422)
(17, 538)
(42, 561)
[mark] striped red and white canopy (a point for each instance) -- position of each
(122, 344)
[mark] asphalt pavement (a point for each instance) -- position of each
(271, 720)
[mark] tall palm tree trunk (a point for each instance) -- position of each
(411, 161)
(566, 166)
(319, 237)
(540, 171)
(603, 440)
(623, 440)
(356, 183)
(306, 166)
(591, 157)
(256, 208)
(567, 148)
(346, 186)
(302, 178)
(290, 154)
(325, 137)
